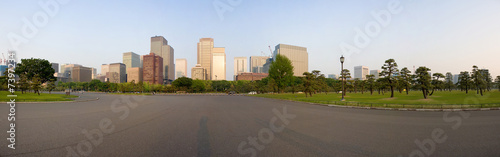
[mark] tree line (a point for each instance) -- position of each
(37, 74)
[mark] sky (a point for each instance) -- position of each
(445, 36)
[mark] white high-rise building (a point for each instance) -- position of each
(298, 55)
(360, 72)
(160, 47)
(240, 66)
(219, 63)
(180, 68)
(257, 63)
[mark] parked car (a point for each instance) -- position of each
(231, 93)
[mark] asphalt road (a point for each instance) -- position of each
(241, 126)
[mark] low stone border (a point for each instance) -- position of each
(49, 102)
(396, 109)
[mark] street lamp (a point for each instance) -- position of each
(342, 75)
(216, 86)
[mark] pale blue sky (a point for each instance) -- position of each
(450, 35)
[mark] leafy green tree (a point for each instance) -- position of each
(436, 83)
(198, 86)
(356, 83)
(497, 80)
(449, 81)
(51, 85)
(319, 81)
(464, 81)
(94, 84)
(478, 79)
(389, 69)
(382, 84)
(308, 83)
(23, 83)
(344, 75)
(36, 84)
(39, 67)
(488, 81)
(183, 83)
(296, 84)
(281, 71)
(370, 83)
(423, 80)
(406, 79)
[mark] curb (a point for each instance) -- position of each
(50, 102)
(395, 109)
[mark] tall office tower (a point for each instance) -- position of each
(198, 73)
(298, 55)
(160, 47)
(205, 48)
(131, 60)
(360, 72)
(55, 66)
(219, 63)
(66, 69)
(134, 74)
(455, 78)
(180, 68)
(140, 65)
(240, 66)
(94, 73)
(152, 66)
(119, 70)
(81, 74)
(267, 65)
(257, 63)
(375, 73)
(104, 69)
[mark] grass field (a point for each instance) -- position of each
(415, 99)
(130, 93)
(33, 97)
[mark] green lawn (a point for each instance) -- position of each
(131, 93)
(440, 99)
(33, 97)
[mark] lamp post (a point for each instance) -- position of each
(216, 86)
(342, 75)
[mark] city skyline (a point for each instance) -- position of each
(465, 32)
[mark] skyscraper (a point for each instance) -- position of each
(180, 68)
(104, 69)
(66, 69)
(360, 72)
(55, 66)
(240, 66)
(119, 70)
(375, 73)
(160, 47)
(298, 55)
(134, 74)
(219, 63)
(94, 73)
(257, 63)
(81, 74)
(205, 48)
(212, 66)
(152, 69)
(131, 59)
